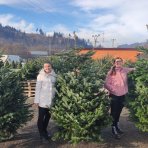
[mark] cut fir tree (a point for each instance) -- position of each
(81, 106)
(14, 112)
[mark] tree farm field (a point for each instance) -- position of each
(28, 136)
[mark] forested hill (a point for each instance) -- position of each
(134, 45)
(14, 41)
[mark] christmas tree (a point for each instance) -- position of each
(138, 97)
(81, 106)
(14, 112)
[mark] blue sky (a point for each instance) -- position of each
(122, 20)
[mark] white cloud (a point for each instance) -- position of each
(121, 19)
(95, 4)
(105, 19)
(20, 24)
(124, 20)
(10, 2)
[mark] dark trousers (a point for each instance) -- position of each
(43, 120)
(117, 104)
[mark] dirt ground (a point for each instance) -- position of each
(28, 137)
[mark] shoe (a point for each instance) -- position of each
(44, 140)
(48, 134)
(115, 133)
(117, 137)
(118, 129)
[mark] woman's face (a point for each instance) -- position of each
(47, 68)
(118, 62)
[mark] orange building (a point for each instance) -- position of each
(125, 53)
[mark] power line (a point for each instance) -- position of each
(35, 5)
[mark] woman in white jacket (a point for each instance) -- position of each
(44, 94)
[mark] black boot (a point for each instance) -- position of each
(115, 133)
(119, 130)
(48, 134)
(44, 139)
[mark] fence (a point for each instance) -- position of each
(29, 88)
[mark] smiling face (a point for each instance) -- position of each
(47, 68)
(118, 62)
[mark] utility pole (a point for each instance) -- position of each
(103, 37)
(75, 38)
(147, 30)
(68, 41)
(113, 42)
(95, 37)
(49, 51)
(147, 26)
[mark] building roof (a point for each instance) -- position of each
(10, 58)
(125, 53)
(39, 53)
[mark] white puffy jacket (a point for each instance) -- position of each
(45, 91)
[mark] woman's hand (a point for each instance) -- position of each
(36, 104)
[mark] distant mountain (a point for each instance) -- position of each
(134, 45)
(13, 41)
